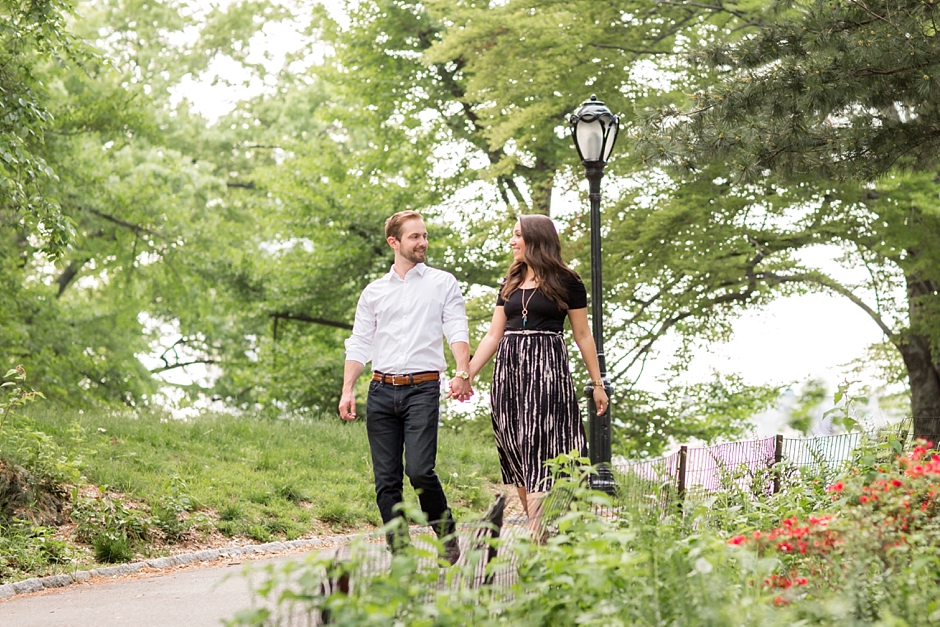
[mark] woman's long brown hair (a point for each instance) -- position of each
(543, 255)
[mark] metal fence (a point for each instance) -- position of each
(760, 467)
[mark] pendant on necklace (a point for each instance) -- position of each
(525, 305)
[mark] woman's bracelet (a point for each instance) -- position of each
(598, 383)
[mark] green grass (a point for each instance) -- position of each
(260, 478)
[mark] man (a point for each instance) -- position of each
(401, 320)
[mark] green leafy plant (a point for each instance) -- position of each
(16, 393)
(877, 544)
(849, 409)
(171, 513)
(112, 549)
(29, 550)
(111, 528)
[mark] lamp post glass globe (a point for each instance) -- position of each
(594, 129)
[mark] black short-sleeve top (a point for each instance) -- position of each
(542, 313)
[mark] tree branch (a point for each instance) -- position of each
(68, 275)
(283, 315)
(136, 228)
(182, 365)
(633, 50)
(717, 8)
(828, 283)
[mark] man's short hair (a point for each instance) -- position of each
(394, 223)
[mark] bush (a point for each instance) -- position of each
(594, 570)
(867, 557)
(104, 517)
(27, 550)
(112, 549)
(171, 513)
(876, 550)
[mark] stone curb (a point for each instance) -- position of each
(37, 584)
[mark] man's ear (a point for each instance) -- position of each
(393, 242)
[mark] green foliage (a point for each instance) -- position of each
(52, 462)
(812, 395)
(35, 471)
(17, 394)
(32, 35)
(171, 513)
(110, 519)
(862, 553)
(28, 550)
(250, 476)
(593, 571)
(872, 67)
(717, 409)
(112, 549)
(834, 97)
(23, 442)
(877, 547)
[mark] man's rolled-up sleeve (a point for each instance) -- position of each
(455, 315)
(359, 344)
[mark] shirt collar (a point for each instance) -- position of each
(420, 269)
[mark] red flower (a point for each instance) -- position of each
(836, 487)
(737, 540)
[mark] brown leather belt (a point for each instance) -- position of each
(406, 379)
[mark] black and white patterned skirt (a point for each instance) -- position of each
(535, 407)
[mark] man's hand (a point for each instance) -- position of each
(347, 402)
(460, 389)
(347, 406)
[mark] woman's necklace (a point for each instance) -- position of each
(525, 303)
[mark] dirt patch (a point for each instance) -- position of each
(25, 497)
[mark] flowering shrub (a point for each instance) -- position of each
(867, 560)
(884, 524)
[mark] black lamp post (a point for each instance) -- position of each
(594, 129)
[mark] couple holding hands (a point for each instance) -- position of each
(401, 320)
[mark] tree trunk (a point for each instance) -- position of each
(923, 371)
(925, 387)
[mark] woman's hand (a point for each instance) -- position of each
(600, 399)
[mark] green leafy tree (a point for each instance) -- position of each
(819, 93)
(135, 196)
(32, 35)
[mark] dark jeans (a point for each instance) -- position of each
(403, 418)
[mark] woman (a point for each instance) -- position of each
(533, 399)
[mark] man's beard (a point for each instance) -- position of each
(415, 256)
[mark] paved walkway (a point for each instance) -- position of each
(194, 597)
(193, 590)
(188, 594)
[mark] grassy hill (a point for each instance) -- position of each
(124, 485)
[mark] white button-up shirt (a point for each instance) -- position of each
(400, 322)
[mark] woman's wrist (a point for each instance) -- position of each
(598, 383)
